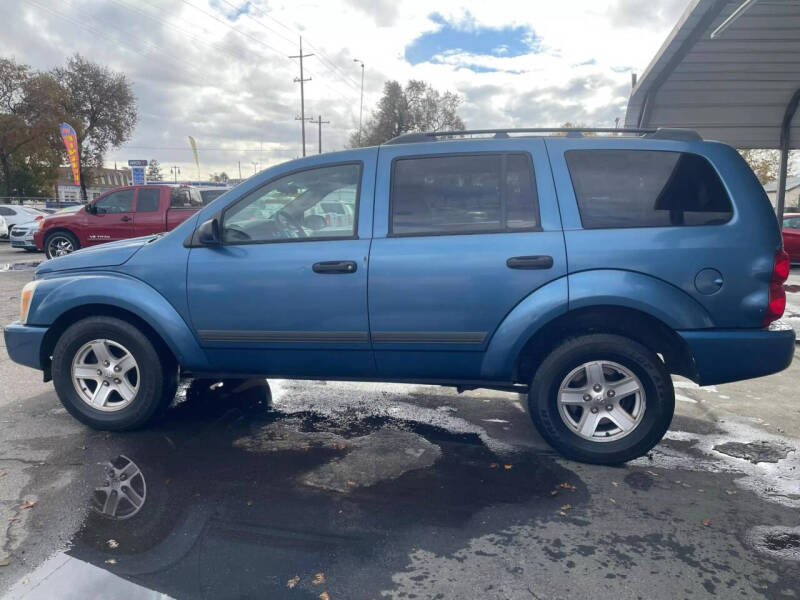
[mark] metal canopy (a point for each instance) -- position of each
(741, 86)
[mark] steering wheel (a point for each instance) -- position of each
(290, 225)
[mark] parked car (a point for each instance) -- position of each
(15, 214)
(582, 271)
(118, 214)
(209, 194)
(791, 236)
(3, 227)
(21, 236)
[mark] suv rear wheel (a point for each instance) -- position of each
(602, 399)
(60, 243)
(108, 374)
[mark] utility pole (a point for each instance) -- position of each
(301, 56)
(255, 166)
(320, 122)
(175, 172)
(361, 104)
(304, 119)
(240, 171)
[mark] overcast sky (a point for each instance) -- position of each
(218, 69)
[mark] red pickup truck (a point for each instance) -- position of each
(116, 215)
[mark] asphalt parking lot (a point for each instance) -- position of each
(345, 490)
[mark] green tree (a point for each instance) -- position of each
(219, 177)
(29, 117)
(100, 106)
(417, 107)
(154, 171)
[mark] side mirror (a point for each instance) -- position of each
(91, 208)
(208, 233)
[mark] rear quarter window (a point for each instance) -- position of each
(646, 188)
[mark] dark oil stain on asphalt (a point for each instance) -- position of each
(223, 522)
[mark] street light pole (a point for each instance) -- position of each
(361, 104)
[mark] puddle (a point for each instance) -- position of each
(756, 452)
(20, 266)
(232, 500)
(776, 542)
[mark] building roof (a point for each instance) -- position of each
(101, 178)
(734, 87)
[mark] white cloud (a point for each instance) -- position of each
(233, 90)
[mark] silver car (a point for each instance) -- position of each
(21, 236)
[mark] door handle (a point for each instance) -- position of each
(530, 262)
(335, 266)
(126, 218)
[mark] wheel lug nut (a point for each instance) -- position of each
(611, 393)
(105, 383)
(609, 407)
(586, 397)
(106, 363)
(116, 380)
(594, 410)
(116, 368)
(99, 372)
(597, 387)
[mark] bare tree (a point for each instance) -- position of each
(100, 105)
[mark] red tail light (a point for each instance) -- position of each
(38, 218)
(777, 295)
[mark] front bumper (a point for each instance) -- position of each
(22, 242)
(24, 344)
(724, 355)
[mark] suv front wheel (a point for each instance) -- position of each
(108, 374)
(602, 399)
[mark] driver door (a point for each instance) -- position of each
(112, 219)
(286, 291)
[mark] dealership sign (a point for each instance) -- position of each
(137, 171)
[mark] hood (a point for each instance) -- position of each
(104, 255)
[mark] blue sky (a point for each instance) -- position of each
(468, 37)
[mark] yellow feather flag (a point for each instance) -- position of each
(193, 144)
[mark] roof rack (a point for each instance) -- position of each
(661, 133)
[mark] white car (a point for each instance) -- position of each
(3, 228)
(16, 214)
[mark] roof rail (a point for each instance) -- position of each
(661, 133)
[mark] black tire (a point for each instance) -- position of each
(56, 236)
(158, 374)
(645, 364)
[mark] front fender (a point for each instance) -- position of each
(612, 287)
(537, 309)
(58, 295)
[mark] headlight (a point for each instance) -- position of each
(25, 300)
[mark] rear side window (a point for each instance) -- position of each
(147, 200)
(646, 188)
(463, 194)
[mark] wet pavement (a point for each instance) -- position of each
(346, 490)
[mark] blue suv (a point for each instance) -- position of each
(581, 270)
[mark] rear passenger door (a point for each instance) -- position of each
(149, 217)
(463, 232)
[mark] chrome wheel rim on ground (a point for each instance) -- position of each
(124, 490)
(60, 246)
(105, 375)
(601, 401)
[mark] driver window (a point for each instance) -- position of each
(115, 202)
(317, 203)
